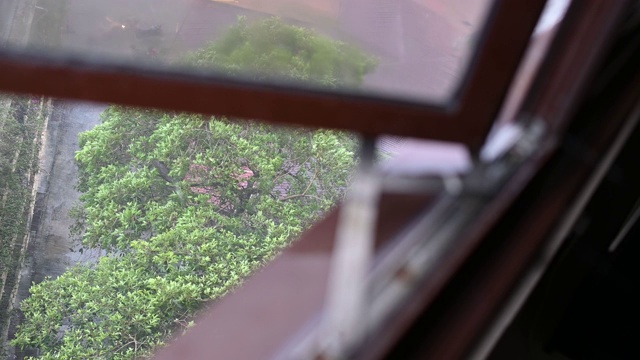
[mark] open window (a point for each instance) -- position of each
(356, 281)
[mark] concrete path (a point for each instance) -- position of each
(53, 255)
(16, 17)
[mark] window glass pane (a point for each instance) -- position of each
(417, 49)
(128, 221)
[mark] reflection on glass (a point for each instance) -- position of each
(407, 48)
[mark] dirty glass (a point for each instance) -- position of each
(118, 224)
(416, 49)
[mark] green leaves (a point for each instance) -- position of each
(21, 125)
(273, 49)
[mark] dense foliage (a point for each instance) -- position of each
(21, 122)
(272, 49)
(186, 206)
(20, 128)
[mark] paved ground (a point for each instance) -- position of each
(16, 17)
(53, 255)
(109, 27)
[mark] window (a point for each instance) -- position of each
(461, 110)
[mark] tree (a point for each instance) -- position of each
(272, 49)
(187, 206)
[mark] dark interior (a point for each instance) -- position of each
(586, 306)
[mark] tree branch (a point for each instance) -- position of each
(163, 171)
(304, 193)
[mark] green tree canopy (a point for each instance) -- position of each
(272, 49)
(187, 206)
